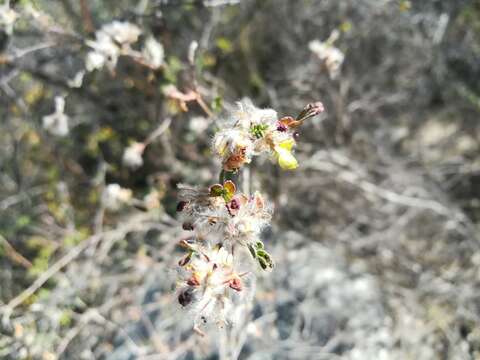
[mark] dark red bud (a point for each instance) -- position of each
(281, 127)
(193, 281)
(185, 297)
(181, 206)
(187, 226)
(235, 284)
(311, 110)
(234, 204)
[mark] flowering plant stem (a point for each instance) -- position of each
(226, 223)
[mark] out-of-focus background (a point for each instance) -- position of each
(375, 235)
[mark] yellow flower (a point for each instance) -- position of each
(284, 155)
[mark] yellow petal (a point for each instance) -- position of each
(287, 144)
(230, 187)
(286, 160)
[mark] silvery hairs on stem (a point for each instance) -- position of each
(225, 249)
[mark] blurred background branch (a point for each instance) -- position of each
(376, 235)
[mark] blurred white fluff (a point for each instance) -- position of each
(152, 200)
(114, 196)
(77, 80)
(132, 156)
(105, 52)
(57, 122)
(153, 53)
(192, 50)
(122, 32)
(213, 3)
(331, 56)
(198, 124)
(247, 113)
(7, 17)
(111, 41)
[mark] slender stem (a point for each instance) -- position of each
(229, 175)
(204, 106)
(246, 176)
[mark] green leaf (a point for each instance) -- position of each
(262, 253)
(216, 190)
(225, 45)
(217, 104)
(173, 67)
(22, 221)
(252, 251)
(264, 259)
(259, 245)
(258, 130)
(263, 263)
(65, 318)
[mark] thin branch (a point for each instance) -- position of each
(14, 254)
(133, 224)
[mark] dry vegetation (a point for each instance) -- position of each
(375, 235)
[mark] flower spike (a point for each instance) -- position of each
(225, 223)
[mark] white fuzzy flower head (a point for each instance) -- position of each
(247, 115)
(234, 146)
(236, 142)
(105, 52)
(132, 156)
(200, 211)
(210, 284)
(250, 131)
(114, 196)
(57, 122)
(153, 53)
(221, 214)
(331, 57)
(122, 32)
(95, 60)
(111, 41)
(249, 216)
